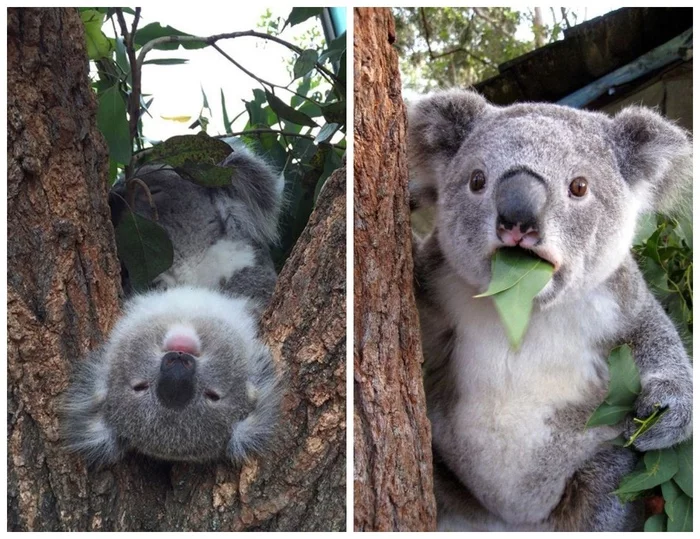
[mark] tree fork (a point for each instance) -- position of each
(63, 298)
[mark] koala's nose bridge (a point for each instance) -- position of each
(520, 199)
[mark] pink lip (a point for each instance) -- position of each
(182, 343)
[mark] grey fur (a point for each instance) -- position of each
(214, 294)
(633, 163)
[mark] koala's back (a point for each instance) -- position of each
(221, 236)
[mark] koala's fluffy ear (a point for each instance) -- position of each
(254, 434)
(260, 188)
(654, 156)
(83, 427)
(437, 126)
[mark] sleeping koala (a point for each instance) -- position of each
(184, 375)
(509, 441)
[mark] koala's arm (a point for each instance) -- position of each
(83, 427)
(666, 375)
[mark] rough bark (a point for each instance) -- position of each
(393, 462)
(63, 297)
(63, 275)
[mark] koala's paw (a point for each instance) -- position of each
(676, 423)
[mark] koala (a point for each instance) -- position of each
(510, 446)
(184, 375)
(217, 233)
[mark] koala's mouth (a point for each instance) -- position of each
(541, 252)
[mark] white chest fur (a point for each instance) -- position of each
(494, 436)
(216, 264)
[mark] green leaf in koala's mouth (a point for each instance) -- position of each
(516, 278)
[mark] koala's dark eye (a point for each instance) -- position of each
(141, 386)
(578, 186)
(477, 181)
(211, 395)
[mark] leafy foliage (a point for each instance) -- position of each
(446, 47)
(665, 472)
(516, 278)
(294, 127)
(664, 250)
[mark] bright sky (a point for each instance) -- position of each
(584, 14)
(176, 88)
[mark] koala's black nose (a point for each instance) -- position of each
(520, 198)
(176, 382)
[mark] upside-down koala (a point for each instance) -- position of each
(509, 441)
(184, 375)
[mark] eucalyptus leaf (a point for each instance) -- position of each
(113, 123)
(227, 122)
(195, 158)
(166, 61)
(682, 509)
(302, 90)
(670, 492)
(625, 384)
(516, 278)
(609, 414)
(156, 30)
(326, 132)
(286, 112)
(684, 477)
(660, 466)
(144, 248)
(122, 58)
(646, 226)
(300, 14)
(98, 44)
(655, 523)
(510, 266)
(335, 49)
(335, 112)
(305, 62)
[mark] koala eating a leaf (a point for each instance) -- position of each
(184, 375)
(510, 444)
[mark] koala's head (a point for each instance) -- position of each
(566, 184)
(182, 377)
(195, 216)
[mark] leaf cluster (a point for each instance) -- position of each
(664, 251)
(665, 472)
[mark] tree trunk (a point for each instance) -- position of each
(63, 298)
(63, 276)
(393, 461)
(538, 28)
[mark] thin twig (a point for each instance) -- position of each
(435, 56)
(331, 77)
(565, 16)
(134, 104)
(135, 24)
